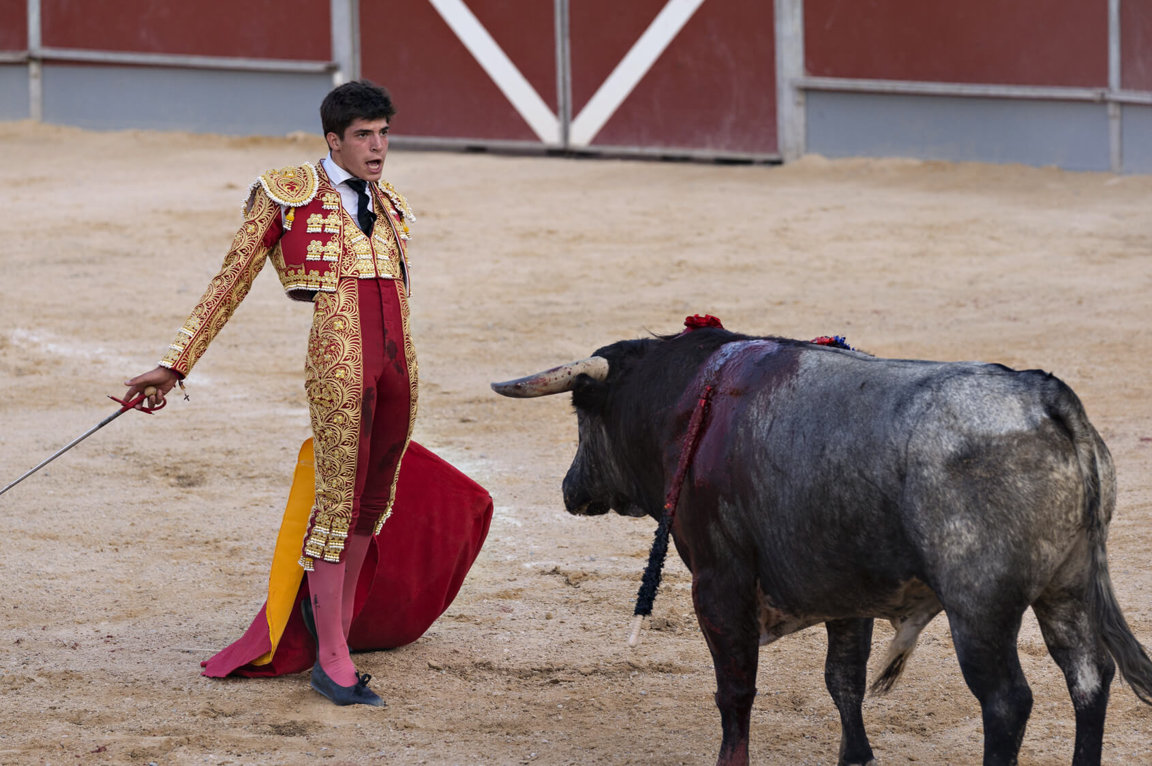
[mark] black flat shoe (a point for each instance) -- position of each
(356, 694)
(309, 620)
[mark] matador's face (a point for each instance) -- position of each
(362, 148)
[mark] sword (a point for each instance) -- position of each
(124, 407)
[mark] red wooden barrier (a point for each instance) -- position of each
(712, 89)
(1058, 42)
(271, 29)
(442, 90)
(13, 25)
(1136, 45)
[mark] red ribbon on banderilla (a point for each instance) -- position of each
(650, 583)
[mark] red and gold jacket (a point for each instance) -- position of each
(293, 217)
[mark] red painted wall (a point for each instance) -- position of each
(713, 88)
(275, 29)
(1054, 42)
(1136, 45)
(13, 25)
(440, 90)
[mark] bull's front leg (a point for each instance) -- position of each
(726, 609)
(846, 675)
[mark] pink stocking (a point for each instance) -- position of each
(355, 551)
(326, 585)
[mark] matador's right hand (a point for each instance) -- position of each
(162, 378)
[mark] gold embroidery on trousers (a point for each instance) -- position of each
(333, 381)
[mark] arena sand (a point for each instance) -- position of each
(145, 549)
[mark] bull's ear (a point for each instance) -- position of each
(589, 394)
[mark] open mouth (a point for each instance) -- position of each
(591, 508)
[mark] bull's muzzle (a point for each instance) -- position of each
(578, 501)
(554, 381)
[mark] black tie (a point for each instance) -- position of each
(365, 215)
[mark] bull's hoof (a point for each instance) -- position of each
(872, 761)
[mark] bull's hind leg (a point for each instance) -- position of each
(986, 648)
(1075, 644)
(726, 609)
(845, 675)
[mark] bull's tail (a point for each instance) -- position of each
(1132, 659)
(907, 632)
(1099, 501)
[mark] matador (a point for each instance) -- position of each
(336, 235)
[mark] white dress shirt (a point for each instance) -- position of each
(338, 175)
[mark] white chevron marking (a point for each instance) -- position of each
(500, 68)
(631, 69)
(608, 97)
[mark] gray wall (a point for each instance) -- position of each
(13, 92)
(1136, 133)
(216, 101)
(1072, 135)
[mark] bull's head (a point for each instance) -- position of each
(596, 481)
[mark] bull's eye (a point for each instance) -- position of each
(589, 395)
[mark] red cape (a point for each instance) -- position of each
(413, 570)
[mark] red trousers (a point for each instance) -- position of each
(385, 401)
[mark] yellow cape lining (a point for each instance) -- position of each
(286, 575)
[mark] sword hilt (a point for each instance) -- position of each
(137, 403)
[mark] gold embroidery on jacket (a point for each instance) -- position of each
(291, 187)
(403, 209)
(241, 265)
(318, 250)
(334, 373)
(303, 279)
(348, 251)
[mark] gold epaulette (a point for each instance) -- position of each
(398, 201)
(291, 187)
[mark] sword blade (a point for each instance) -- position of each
(125, 406)
(67, 447)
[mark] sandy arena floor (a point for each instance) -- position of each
(145, 549)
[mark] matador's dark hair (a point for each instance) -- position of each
(359, 99)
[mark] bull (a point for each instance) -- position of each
(830, 486)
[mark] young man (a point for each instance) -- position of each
(336, 235)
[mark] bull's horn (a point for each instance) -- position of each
(554, 381)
